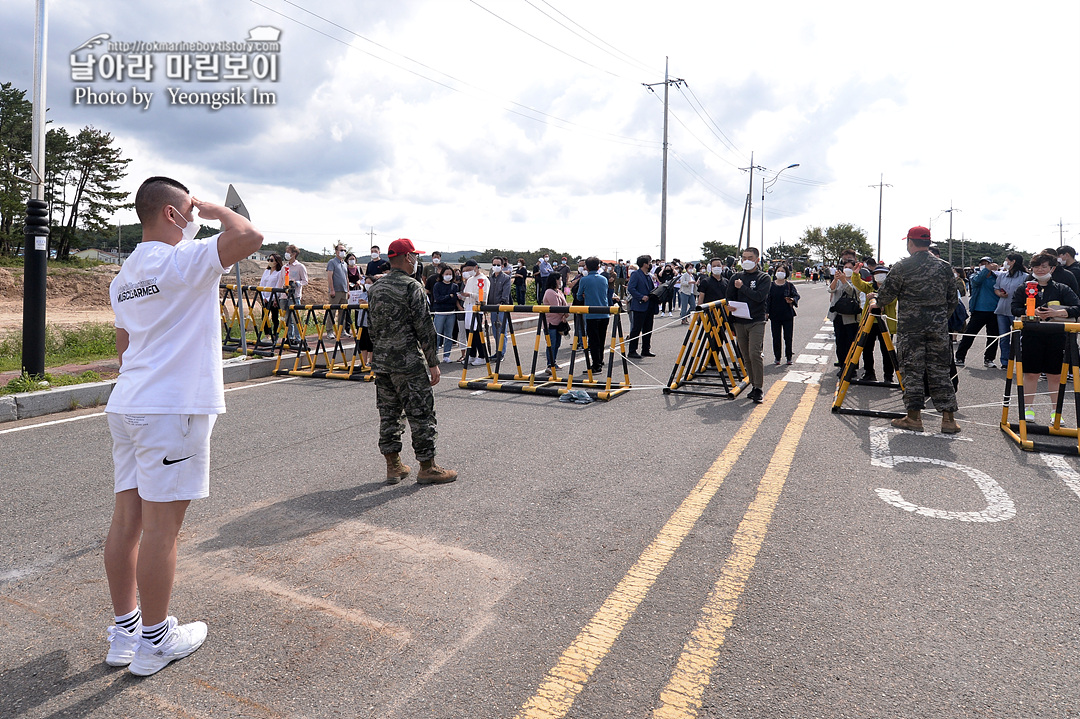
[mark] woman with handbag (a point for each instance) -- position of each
(557, 326)
(780, 311)
(844, 311)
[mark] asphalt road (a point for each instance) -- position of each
(656, 555)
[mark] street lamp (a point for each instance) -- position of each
(767, 187)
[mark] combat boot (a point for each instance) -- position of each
(431, 473)
(912, 421)
(948, 423)
(395, 470)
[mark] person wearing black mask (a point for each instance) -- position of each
(751, 286)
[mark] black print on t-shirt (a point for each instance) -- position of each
(133, 290)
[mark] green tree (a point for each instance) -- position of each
(827, 244)
(709, 250)
(780, 251)
(15, 132)
(966, 253)
(95, 167)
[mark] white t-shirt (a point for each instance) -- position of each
(166, 297)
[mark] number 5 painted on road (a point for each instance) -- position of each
(999, 507)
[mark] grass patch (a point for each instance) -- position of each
(88, 342)
(76, 262)
(26, 383)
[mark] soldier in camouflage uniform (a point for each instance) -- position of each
(406, 366)
(925, 292)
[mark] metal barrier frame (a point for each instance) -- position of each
(871, 316)
(553, 386)
(1019, 431)
(709, 342)
(306, 360)
(252, 296)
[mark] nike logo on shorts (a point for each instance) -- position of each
(166, 461)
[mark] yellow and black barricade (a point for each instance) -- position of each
(319, 342)
(258, 317)
(1020, 430)
(550, 383)
(709, 362)
(871, 317)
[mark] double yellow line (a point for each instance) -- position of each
(682, 695)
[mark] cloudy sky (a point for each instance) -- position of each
(469, 124)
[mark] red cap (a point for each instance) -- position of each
(918, 233)
(402, 247)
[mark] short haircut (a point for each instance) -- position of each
(754, 250)
(1044, 258)
(592, 264)
(339, 246)
(375, 247)
(155, 193)
(849, 251)
(643, 260)
(1066, 250)
(293, 250)
(716, 259)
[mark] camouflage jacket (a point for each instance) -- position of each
(925, 293)
(402, 332)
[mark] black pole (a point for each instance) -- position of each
(36, 258)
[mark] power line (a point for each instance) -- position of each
(575, 32)
(545, 42)
(640, 64)
(711, 122)
(599, 134)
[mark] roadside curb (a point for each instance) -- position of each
(25, 405)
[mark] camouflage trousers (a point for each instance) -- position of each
(401, 395)
(926, 355)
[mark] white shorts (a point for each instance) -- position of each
(165, 456)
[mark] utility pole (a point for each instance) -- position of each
(371, 235)
(881, 196)
(951, 210)
(750, 200)
(663, 185)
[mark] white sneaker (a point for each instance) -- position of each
(476, 361)
(122, 645)
(180, 641)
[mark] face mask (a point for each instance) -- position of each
(546, 259)
(352, 263)
(781, 275)
(748, 265)
(341, 254)
(374, 255)
(191, 229)
(467, 274)
(1042, 279)
(496, 268)
(880, 278)
(287, 257)
(848, 272)
(1061, 260)
(717, 271)
(447, 278)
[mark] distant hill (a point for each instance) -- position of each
(455, 257)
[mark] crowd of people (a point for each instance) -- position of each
(995, 294)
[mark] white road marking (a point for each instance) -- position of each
(827, 328)
(102, 414)
(1061, 467)
(803, 377)
(55, 421)
(999, 506)
(819, 346)
(812, 359)
(823, 336)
